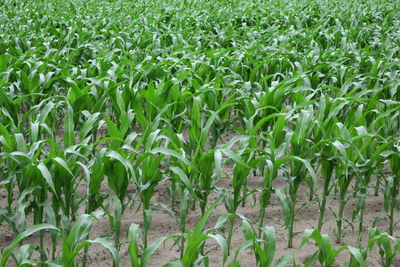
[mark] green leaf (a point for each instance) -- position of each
(107, 244)
(20, 237)
(196, 237)
(148, 253)
(47, 176)
(69, 135)
(235, 157)
(222, 244)
(284, 260)
(184, 179)
(357, 255)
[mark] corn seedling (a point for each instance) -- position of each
(6, 253)
(388, 246)
(194, 254)
(77, 239)
(143, 259)
(326, 254)
(392, 187)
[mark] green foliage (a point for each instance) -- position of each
(103, 102)
(388, 245)
(326, 254)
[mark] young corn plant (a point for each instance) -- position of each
(137, 258)
(299, 167)
(244, 161)
(149, 172)
(7, 252)
(34, 174)
(369, 148)
(384, 125)
(328, 162)
(202, 163)
(200, 175)
(387, 244)
(148, 177)
(274, 158)
(205, 178)
(289, 203)
(327, 115)
(94, 174)
(65, 168)
(326, 254)
(392, 188)
(77, 239)
(119, 172)
(184, 191)
(345, 170)
(9, 144)
(263, 247)
(194, 253)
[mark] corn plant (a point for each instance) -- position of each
(148, 176)
(289, 203)
(263, 247)
(273, 161)
(77, 240)
(392, 188)
(327, 167)
(119, 172)
(327, 117)
(326, 254)
(201, 172)
(388, 245)
(244, 163)
(369, 155)
(194, 253)
(345, 171)
(137, 259)
(184, 191)
(298, 170)
(264, 252)
(35, 174)
(7, 252)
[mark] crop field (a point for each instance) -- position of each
(200, 133)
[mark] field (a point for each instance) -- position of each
(199, 133)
